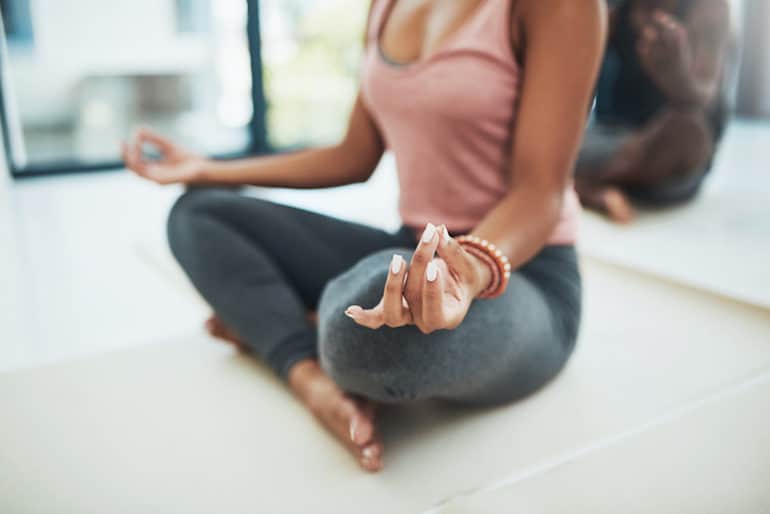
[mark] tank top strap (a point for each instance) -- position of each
(377, 16)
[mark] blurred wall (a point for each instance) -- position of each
(78, 38)
(754, 84)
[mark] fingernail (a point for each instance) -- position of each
(447, 237)
(395, 264)
(349, 310)
(430, 231)
(431, 273)
(368, 452)
(353, 430)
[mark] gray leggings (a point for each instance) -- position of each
(261, 266)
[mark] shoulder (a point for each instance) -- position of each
(711, 11)
(710, 20)
(569, 18)
(530, 16)
(578, 11)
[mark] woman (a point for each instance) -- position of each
(482, 149)
(661, 105)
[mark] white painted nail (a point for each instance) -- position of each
(349, 310)
(430, 231)
(431, 273)
(368, 452)
(353, 430)
(447, 237)
(395, 264)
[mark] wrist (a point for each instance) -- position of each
(207, 171)
(495, 261)
(483, 276)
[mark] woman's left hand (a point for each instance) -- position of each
(664, 48)
(433, 293)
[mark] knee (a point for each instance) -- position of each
(691, 133)
(363, 284)
(358, 359)
(685, 123)
(186, 213)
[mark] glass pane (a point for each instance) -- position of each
(92, 71)
(311, 51)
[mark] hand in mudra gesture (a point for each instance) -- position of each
(664, 49)
(431, 293)
(176, 164)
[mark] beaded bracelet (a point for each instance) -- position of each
(496, 260)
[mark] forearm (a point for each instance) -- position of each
(563, 53)
(315, 168)
(522, 222)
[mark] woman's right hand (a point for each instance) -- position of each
(176, 165)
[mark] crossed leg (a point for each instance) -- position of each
(615, 160)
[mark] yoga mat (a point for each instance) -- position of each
(187, 425)
(714, 458)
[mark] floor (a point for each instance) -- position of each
(664, 407)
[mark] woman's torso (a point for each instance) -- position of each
(448, 118)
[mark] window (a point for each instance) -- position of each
(193, 15)
(115, 66)
(310, 54)
(91, 81)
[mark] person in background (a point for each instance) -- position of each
(660, 107)
(476, 299)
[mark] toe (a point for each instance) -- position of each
(348, 419)
(215, 327)
(372, 451)
(358, 426)
(372, 466)
(361, 429)
(371, 457)
(351, 420)
(618, 206)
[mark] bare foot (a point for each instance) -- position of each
(617, 206)
(350, 420)
(216, 327)
(607, 200)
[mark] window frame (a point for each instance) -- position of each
(26, 37)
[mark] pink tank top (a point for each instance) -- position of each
(448, 120)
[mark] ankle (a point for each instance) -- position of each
(301, 374)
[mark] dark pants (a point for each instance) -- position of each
(262, 266)
(603, 141)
